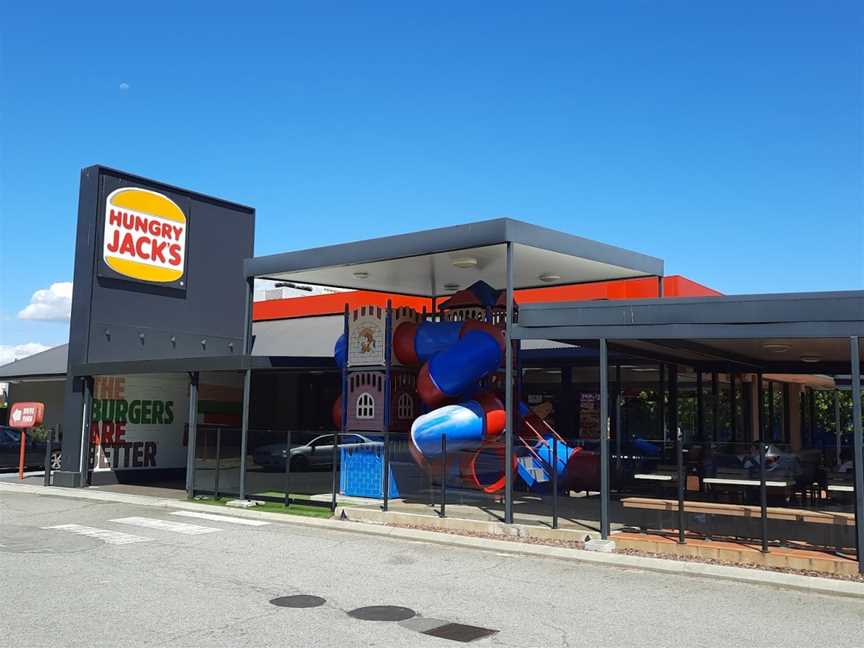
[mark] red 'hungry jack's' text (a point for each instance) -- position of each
(160, 241)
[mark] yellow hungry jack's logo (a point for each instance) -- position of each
(144, 236)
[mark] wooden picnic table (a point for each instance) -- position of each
(735, 481)
(655, 476)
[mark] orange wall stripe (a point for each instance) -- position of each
(678, 286)
(334, 304)
(642, 288)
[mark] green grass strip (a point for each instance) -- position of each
(296, 508)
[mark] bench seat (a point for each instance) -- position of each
(742, 510)
(741, 520)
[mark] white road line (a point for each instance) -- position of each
(166, 525)
(220, 518)
(107, 536)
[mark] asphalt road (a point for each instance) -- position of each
(148, 582)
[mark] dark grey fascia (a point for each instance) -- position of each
(447, 239)
(828, 314)
(198, 196)
(693, 331)
(219, 363)
(33, 378)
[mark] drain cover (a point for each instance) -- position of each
(459, 632)
(382, 613)
(298, 601)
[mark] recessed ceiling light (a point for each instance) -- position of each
(465, 262)
(811, 359)
(549, 277)
(644, 369)
(451, 286)
(777, 348)
(361, 274)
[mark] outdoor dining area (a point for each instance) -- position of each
(732, 419)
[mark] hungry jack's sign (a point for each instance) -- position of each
(144, 236)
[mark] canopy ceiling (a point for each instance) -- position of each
(441, 261)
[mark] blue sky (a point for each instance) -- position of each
(724, 137)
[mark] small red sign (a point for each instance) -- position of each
(26, 415)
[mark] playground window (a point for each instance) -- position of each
(365, 406)
(405, 407)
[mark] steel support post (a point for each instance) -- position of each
(715, 405)
(192, 434)
(617, 417)
(763, 489)
(858, 445)
(678, 435)
(86, 423)
(244, 431)
(700, 407)
(508, 393)
(604, 440)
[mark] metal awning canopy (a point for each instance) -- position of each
(785, 333)
(45, 365)
(439, 261)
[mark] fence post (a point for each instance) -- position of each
(554, 483)
(443, 475)
(218, 461)
(288, 470)
(334, 457)
(386, 484)
(49, 448)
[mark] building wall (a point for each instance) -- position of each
(297, 336)
(50, 392)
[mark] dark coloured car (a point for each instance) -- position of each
(34, 452)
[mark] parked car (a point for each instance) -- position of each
(315, 454)
(34, 453)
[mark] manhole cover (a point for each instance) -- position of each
(382, 613)
(460, 632)
(298, 601)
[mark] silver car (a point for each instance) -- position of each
(315, 454)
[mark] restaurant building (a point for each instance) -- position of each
(490, 371)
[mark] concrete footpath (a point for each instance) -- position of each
(797, 582)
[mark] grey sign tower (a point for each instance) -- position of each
(158, 276)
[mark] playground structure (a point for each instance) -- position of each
(441, 375)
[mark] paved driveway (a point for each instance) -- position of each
(89, 573)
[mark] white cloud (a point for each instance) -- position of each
(53, 303)
(124, 86)
(10, 352)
